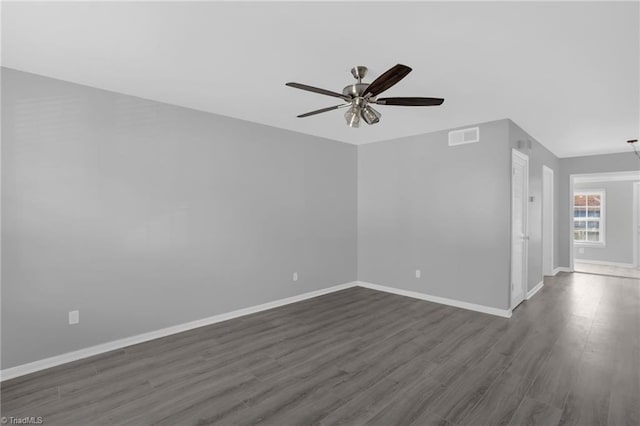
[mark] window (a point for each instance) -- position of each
(588, 217)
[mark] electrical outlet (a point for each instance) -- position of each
(74, 317)
(295, 276)
(418, 273)
(581, 250)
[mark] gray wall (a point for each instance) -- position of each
(189, 214)
(622, 162)
(144, 215)
(444, 210)
(618, 223)
(538, 156)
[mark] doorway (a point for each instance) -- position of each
(519, 226)
(636, 223)
(605, 223)
(547, 221)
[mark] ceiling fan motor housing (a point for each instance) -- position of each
(356, 90)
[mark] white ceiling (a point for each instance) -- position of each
(568, 73)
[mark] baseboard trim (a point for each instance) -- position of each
(534, 290)
(506, 313)
(561, 269)
(32, 367)
(605, 263)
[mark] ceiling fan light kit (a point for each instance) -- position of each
(353, 116)
(370, 115)
(359, 96)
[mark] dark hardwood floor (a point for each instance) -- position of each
(571, 355)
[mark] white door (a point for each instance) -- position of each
(547, 221)
(519, 229)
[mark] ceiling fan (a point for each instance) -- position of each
(359, 96)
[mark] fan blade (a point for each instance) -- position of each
(388, 79)
(318, 90)
(320, 111)
(410, 101)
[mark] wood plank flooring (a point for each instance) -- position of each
(617, 271)
(569, 356)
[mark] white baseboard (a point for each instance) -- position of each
(506, 313)
(605, 263)
(32, 367)
(561, 269)
(534, 290)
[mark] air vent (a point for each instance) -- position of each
(464, 136)
(524, 144)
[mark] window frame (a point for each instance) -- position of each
(601, 219)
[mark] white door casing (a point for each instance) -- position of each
(636, 223)
(547, 220)
(519, 226)
(604, 177)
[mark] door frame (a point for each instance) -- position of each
(636, 224)
(599, 177)
(548, 202)
(517, 155)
